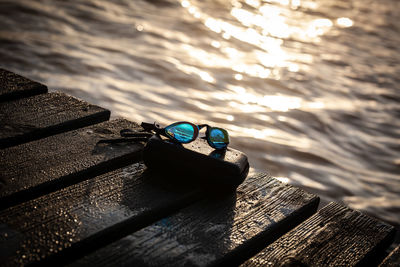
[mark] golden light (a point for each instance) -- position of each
(319, 27)
(213, 25)
(238, 77)
(253, 3)
(230, 118)
(296, 3)
(139, 28)
(293, 67)
(265, 28)
(282, 2)
(185, 3)
(216, 44)
(344, 22)
(284, 180)
(206, 77)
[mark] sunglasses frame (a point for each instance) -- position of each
(162, 131)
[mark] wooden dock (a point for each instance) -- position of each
(66, 200)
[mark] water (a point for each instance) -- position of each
(307, 89)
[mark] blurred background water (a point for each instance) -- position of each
(308, 89)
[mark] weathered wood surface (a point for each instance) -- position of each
(64, 224)
(31, 118)
(66, 196)
(14, 86)
(393, 260)
(335, 236)
(223, 230)
(41, 166)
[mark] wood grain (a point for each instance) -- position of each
(393, 260)
(216, 230)
(41, 166)
(14, 86)
(35, 117)
(64, 224)
(335, 236)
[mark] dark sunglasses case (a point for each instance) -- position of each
(196, 163)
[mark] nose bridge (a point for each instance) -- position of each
(201, 126)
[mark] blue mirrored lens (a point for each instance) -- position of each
(181, 132)
(218, 138)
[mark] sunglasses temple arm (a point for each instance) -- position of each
(135, 134)
(153, 127)
(148, 126)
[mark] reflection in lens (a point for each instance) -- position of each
(181, 132)
(218, 138)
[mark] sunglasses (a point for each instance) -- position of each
(185, 132)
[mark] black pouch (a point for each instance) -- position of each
(196, 163)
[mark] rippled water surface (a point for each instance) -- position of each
(309, 90)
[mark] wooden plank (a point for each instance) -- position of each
(219, 230)
(64, 224)
(393, 260)
(14, 86)
(335, 236)
(32, 118)
(32, 169)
